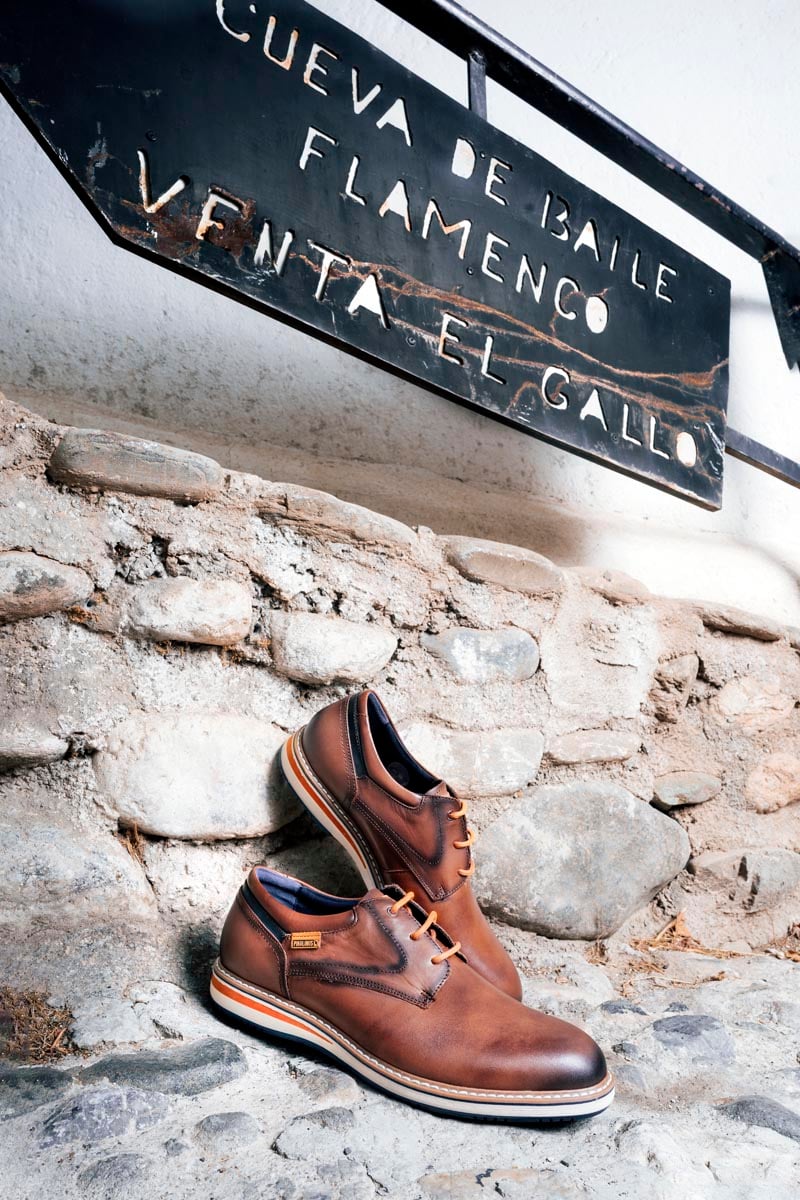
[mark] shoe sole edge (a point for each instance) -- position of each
(312, 793)
(287, 1020)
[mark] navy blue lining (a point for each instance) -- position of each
(262, 914)
(301, 898)
(391, 751)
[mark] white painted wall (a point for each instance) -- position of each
(90, 333)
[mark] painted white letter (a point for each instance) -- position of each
(148, 204)
(310, 150)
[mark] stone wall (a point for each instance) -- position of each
(165, 623)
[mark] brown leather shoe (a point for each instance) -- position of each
(398, 822)
(375, 984)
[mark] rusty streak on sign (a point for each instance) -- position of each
(268, 151)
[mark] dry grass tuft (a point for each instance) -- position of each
(31, 1030)
(676, 936)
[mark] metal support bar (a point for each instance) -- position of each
(476, 79)
(452, 26)
(749, 451)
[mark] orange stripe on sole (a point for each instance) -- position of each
(249, 1002)
(298, 770)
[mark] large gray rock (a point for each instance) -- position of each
(480, 656)
(214, 612)
(60, 861)
(105, 461)
(766, 1112)
(31, 586)
(23, 1089)
(594, 746)
(493, 762)
(178, 1071)
(511, 567)
(195, 775)
(95, 1114)
(574, 860)
(318, 649)
(27, 746)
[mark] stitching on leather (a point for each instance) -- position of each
(344, 737)
(403, 846)
(421, 1001)
(597, 1089)
(266, 937)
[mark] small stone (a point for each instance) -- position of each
(755, 704)
(116, 1174)
(684, 787)
(31, 586)
(716, 866)
(478, 656)
(763, 1111)
(737, 621)
(495, 762)
(26, 746)
(103, 461)
(700, 1036)
(774, 783)
(594, 854)
(511, 567)
(174, 1147)
(96, 1114)
(312, 1129)
(674, 680)
(213, 612)
(319, 649)
(179, 1071)
(769, 876)
(593, 746)
(195, 775)
(622, 1006)
(225, 1131)
(311, 507)
(23, 1089)
(335, 1088)
(630, 1076)
(614, 586)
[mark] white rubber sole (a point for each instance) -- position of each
(323, 807)
(286, 1019)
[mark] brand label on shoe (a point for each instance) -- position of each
(306, 941)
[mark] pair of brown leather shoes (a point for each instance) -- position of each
(376, 982)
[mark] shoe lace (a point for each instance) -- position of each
(424, 927)
(455, 815)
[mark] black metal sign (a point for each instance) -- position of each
(267, 150)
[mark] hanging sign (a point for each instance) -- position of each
(267, 150)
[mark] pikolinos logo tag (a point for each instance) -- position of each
(306, 941)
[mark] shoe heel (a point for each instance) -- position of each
(310, 793)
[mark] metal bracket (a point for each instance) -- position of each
(464, 34)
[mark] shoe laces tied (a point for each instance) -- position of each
(455, 815)
(424, 927)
